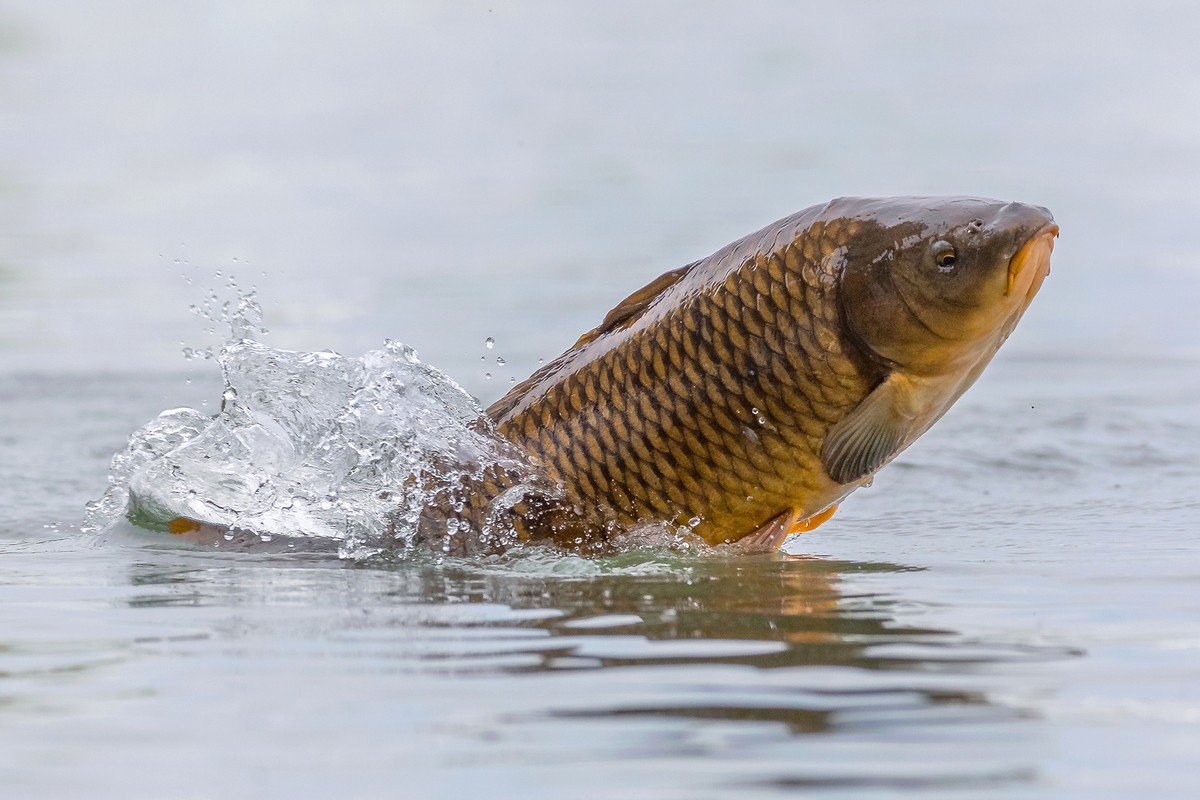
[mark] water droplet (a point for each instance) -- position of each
(754, 411)
(500, 360)
(694, 521)
(540, 361)
(487, 376)
(489, 342)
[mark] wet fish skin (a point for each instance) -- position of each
(769, 380)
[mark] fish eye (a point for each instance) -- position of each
(944, 255)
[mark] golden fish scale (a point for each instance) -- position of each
(664, 424)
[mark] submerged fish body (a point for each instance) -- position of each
(746, 394)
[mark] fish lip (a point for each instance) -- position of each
(1017, 263)
(1049, 228)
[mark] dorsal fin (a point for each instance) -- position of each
(622, 315)
(632, 307)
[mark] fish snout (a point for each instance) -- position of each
(1025, 219)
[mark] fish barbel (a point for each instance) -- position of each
(746, 394)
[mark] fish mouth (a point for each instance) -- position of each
(1031, 264)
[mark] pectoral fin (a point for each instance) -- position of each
(874, 433)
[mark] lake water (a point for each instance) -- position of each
(1012, 610)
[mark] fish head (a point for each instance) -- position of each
(933, 285)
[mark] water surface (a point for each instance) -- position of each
(1012, 610)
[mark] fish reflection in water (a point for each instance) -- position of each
(791, 615)
(795, 641)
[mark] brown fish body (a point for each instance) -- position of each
(710, 404)
(767, 381)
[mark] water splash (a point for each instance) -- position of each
(231, 310)
(315, 448)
